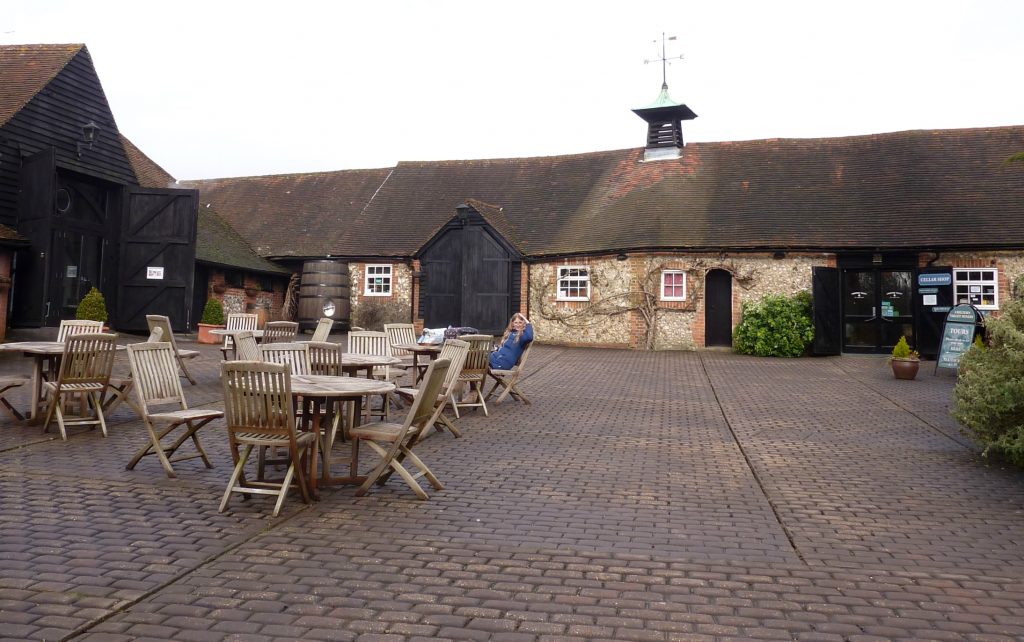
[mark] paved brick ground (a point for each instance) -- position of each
(643, 496)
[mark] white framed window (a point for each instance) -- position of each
(573, 283)
(977, 286)
(673, 285)
(378, 280)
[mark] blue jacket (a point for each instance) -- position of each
(507, 355)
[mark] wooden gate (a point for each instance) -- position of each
(158, 253)
(470, 278)
(35, 208)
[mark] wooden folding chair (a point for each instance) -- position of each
(507, 379)
(323, 330)
(324, 358)
(280, 332)
(8, 382)
(236, 321)
(118, 388)
(246, 348)
(394, 442)
(455, 351)
(258, 411)
(156, 384)
(295, 355)
(473, 373)
(376, 343)
(180, 354)
(71, 327)
(399, 333)
(84, 370)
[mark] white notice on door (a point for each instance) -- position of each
(154, 273)
(930, 299)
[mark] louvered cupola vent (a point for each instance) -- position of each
(664, 126)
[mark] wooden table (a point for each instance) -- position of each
(429, 349)
(318, 391)
(352, 363)
(224, 332)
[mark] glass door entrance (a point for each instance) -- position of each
(877, 309)
(77, 266)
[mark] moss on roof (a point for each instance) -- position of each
(218, 244)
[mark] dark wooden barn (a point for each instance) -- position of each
(70, 185)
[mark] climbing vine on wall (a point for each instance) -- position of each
(623, 287)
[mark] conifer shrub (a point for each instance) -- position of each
(988, 399)
(776, 326)
(92, 307)
(213, 312)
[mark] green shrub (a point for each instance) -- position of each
(213, 313)
(776, 326)
(902, 350)
(92, 307)
(988, 399)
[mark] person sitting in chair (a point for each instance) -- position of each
(518, 335)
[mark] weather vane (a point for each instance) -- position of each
(664, 59)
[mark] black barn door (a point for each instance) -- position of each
(467, 280)
(442, 288)
(718, 309)
(158, 252)
(35, 207)
(825, 301)
(487, 278)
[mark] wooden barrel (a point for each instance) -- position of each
(323, 292)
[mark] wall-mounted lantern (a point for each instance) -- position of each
(90, 131)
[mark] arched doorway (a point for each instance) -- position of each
(718, 309)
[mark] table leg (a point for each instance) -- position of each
(37, 388)
(313, 490)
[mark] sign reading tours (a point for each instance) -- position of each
(957, 335)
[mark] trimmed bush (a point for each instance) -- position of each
(92, 307)
(213, 312)
(988, 399)
(776, 326)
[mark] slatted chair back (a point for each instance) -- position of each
(237, 321)
(399, 333)
(374, 343)
(474, 371)
(323, 330)
(324, 358)
(295, 355)
(164, 323)
(84, 369)
(280, 332)
(258, 412)
(246, 348)
(71, 327)
(155, 375)
(508, 380)
(455, 351)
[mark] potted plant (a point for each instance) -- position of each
(905, 362)
(92, 307)
(213, 317)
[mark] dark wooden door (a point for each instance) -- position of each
(718, 309)
(467, 280)
(825, 301)
(157, 257)
(486, 276)
(35, 206)
(442, 287)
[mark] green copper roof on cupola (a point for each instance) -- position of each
(663, 99)
(664, 107)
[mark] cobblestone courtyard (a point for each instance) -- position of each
(643, 496)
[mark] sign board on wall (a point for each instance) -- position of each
(154, 273)
(957, 335)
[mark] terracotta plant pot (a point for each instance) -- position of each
(905, 368)
(205, 336)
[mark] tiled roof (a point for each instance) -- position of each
(9, 237)
(147, 172)
(915, 189)
(218, 244)
(26, 69)
(294, 214)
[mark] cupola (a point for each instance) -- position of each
(664, 129)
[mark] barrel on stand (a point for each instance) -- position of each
(323, 292)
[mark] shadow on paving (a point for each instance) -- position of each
(643, 495)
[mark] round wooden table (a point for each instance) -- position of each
(319, 391)
(429, 349)
(352, 363)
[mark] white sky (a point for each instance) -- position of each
(234, 88)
